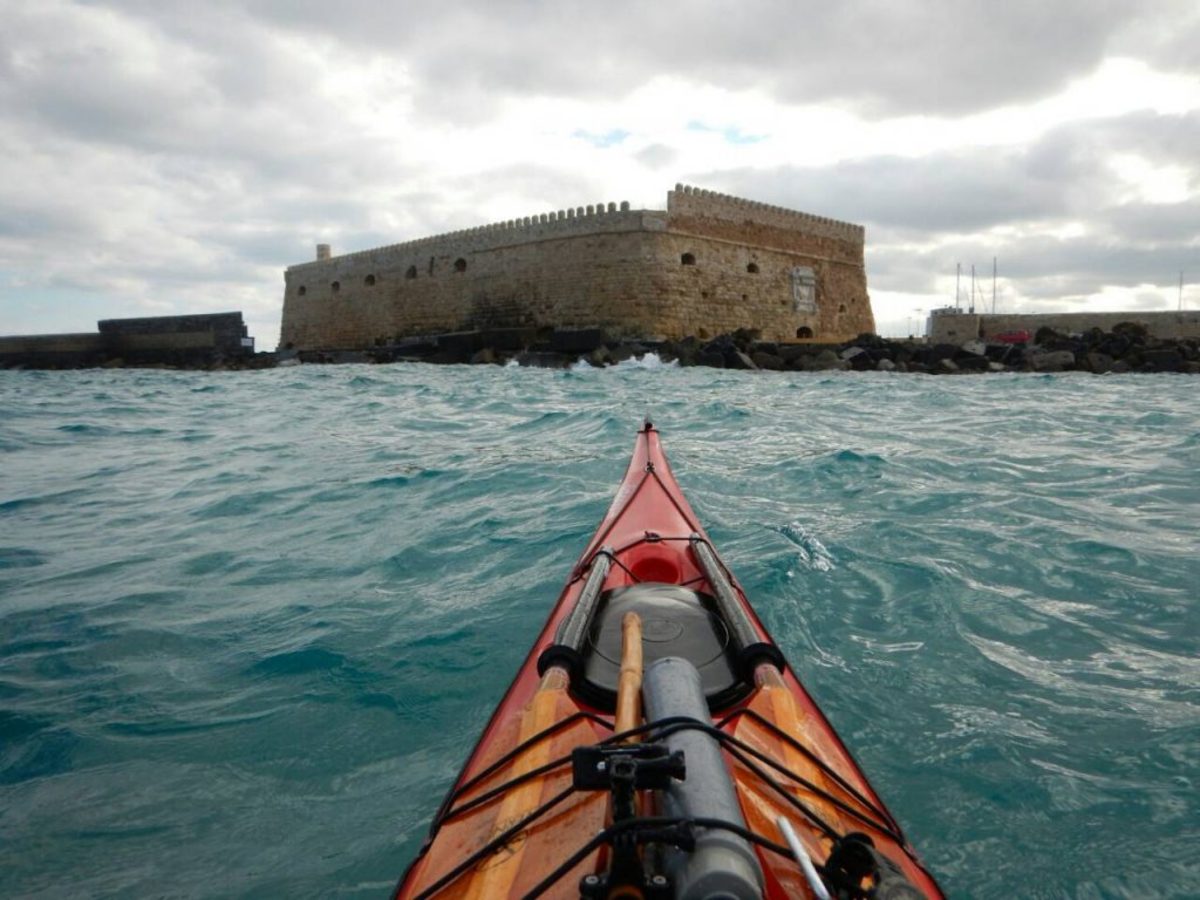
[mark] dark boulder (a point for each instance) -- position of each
(1052, 361)
(972, 363)
(931, 356)
(509, 339)
(1162, 361)
(686, 350)
(790, 353)
(1134, 331)
(765, 360)
(599, 357)
(1047, 335)
(577, 340)
(999, 352)
(745, 338)
(720, 344)
(824, 361)
(459, 346)
(869, 341)
(736, 359)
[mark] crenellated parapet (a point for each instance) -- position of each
(686, 200)
(599, 218)
(683, 202)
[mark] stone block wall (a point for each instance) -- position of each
(708, 264)
(957, 328)
(189, 340)
(225, 331)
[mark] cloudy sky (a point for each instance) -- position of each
(160, 157)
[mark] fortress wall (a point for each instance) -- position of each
(691, 209)
(594, 277)
(594, 266)
(784, 238)
(718, 295)
(582, 220)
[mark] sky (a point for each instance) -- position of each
(160, 157)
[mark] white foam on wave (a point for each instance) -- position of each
(647, 361)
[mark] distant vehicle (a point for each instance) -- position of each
(1020, 336)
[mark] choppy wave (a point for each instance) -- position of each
(249, 622)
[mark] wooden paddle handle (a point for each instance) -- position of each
(629, 687)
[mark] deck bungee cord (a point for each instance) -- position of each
(655, 732)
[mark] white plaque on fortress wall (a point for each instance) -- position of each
(804, 289)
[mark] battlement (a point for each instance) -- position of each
(559, 223)
(686, 200)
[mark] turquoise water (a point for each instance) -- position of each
(251, 623)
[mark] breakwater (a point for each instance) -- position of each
(199, 341)
(1127, 348)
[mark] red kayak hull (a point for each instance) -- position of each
(648, 528)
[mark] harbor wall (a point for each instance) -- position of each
(951, 327)
(708, 264)
(188, 340)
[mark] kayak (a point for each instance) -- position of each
(656, 744)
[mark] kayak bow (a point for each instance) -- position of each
(729, 783)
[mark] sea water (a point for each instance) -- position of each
(252, 623)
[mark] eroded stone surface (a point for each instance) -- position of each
(710, 264)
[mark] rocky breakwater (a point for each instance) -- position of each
(1127, 348)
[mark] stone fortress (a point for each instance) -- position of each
(709, 264)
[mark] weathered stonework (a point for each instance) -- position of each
(709, 264)
(948, 326)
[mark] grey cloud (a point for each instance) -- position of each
(1169, 37)
(1061, 177)
(1148, 300)
(657, 156)
(1042, 267)
(884, 57)
(1156, 224)
(924, 215)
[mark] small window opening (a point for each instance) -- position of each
(841, 307)
(688, 259)
(702, 334)
(804, 332)
(431, 259)
(704, 295)
(752, 268)
(369, 281)
(336, 286)
(302, 290)
(460, 265)
(411, 273)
